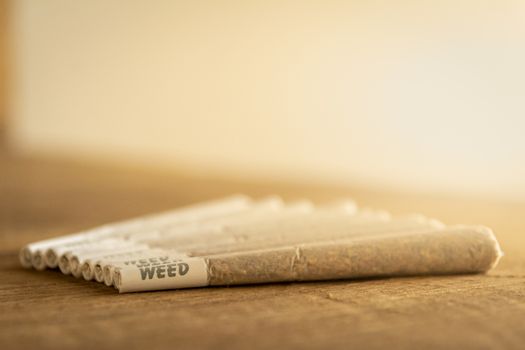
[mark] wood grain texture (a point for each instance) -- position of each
(41, 198)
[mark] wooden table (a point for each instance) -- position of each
(40, 198)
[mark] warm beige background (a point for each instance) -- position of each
(3, 64)
(422, 96)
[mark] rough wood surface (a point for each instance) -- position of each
(42, 198)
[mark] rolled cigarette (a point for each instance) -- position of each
(178, 273)
(87, 267)
(200, 235)
(203, 236)
(450, 251)
(259, 216)
(215, 230)
(288, 229)
(447, 251)
(76, 260)
(69, 261)
(114, 260)
(72, 257)
(194, 212)
(237, 241)
(292, 229)
(152, 258)
(48, 253)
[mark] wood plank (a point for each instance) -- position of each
(45, 197)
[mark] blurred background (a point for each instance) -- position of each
(416, 96)
(111, 109)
